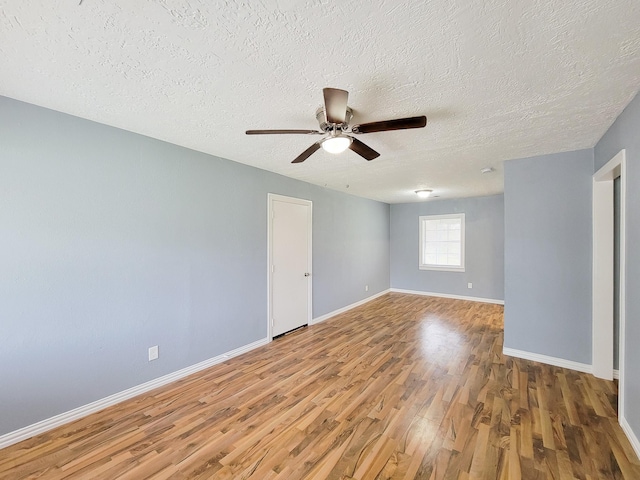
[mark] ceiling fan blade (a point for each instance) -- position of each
(335, 104)
(272, 132)
(397, 124)
(363, 150)
(307, 153)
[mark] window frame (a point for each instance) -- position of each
(422, 241)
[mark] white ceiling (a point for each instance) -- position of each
(497, 79)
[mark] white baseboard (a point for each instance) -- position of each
(556, 362)
(633, 440)
(327, 316)
(80, 412)
(448, 295)
(616, 374)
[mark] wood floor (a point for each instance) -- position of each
(403, 387)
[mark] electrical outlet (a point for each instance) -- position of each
(153, 353)
(469, 285)
(366, 288)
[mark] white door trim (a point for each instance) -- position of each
(271, 197)
(602, 271)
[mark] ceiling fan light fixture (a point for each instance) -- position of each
(423, 193)
(334, 118)
(336, 144)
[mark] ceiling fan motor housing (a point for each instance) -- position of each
(325, 126)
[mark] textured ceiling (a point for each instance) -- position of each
(497, 79)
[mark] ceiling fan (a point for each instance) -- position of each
(334, 118)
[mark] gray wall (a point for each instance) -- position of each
(484, 256)
(625, 133)
(111, 242)
(548, 255)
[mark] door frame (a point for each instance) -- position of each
(602, 272)
(271, 198)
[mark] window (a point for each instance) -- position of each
(442, 242)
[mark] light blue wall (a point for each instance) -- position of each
(625, 134)
(548, 255)
(111, 242)
(484, 257)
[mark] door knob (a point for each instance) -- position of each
(307, 274)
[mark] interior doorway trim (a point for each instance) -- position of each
(602, 272)
(271, 198)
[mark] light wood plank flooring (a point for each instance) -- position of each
(403, 387)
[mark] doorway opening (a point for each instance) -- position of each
(608, 278)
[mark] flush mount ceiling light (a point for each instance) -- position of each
(486, 170)
(423, 193)
(336, 144)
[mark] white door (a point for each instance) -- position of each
(290, 263)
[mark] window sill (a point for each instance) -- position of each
(439, 268)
